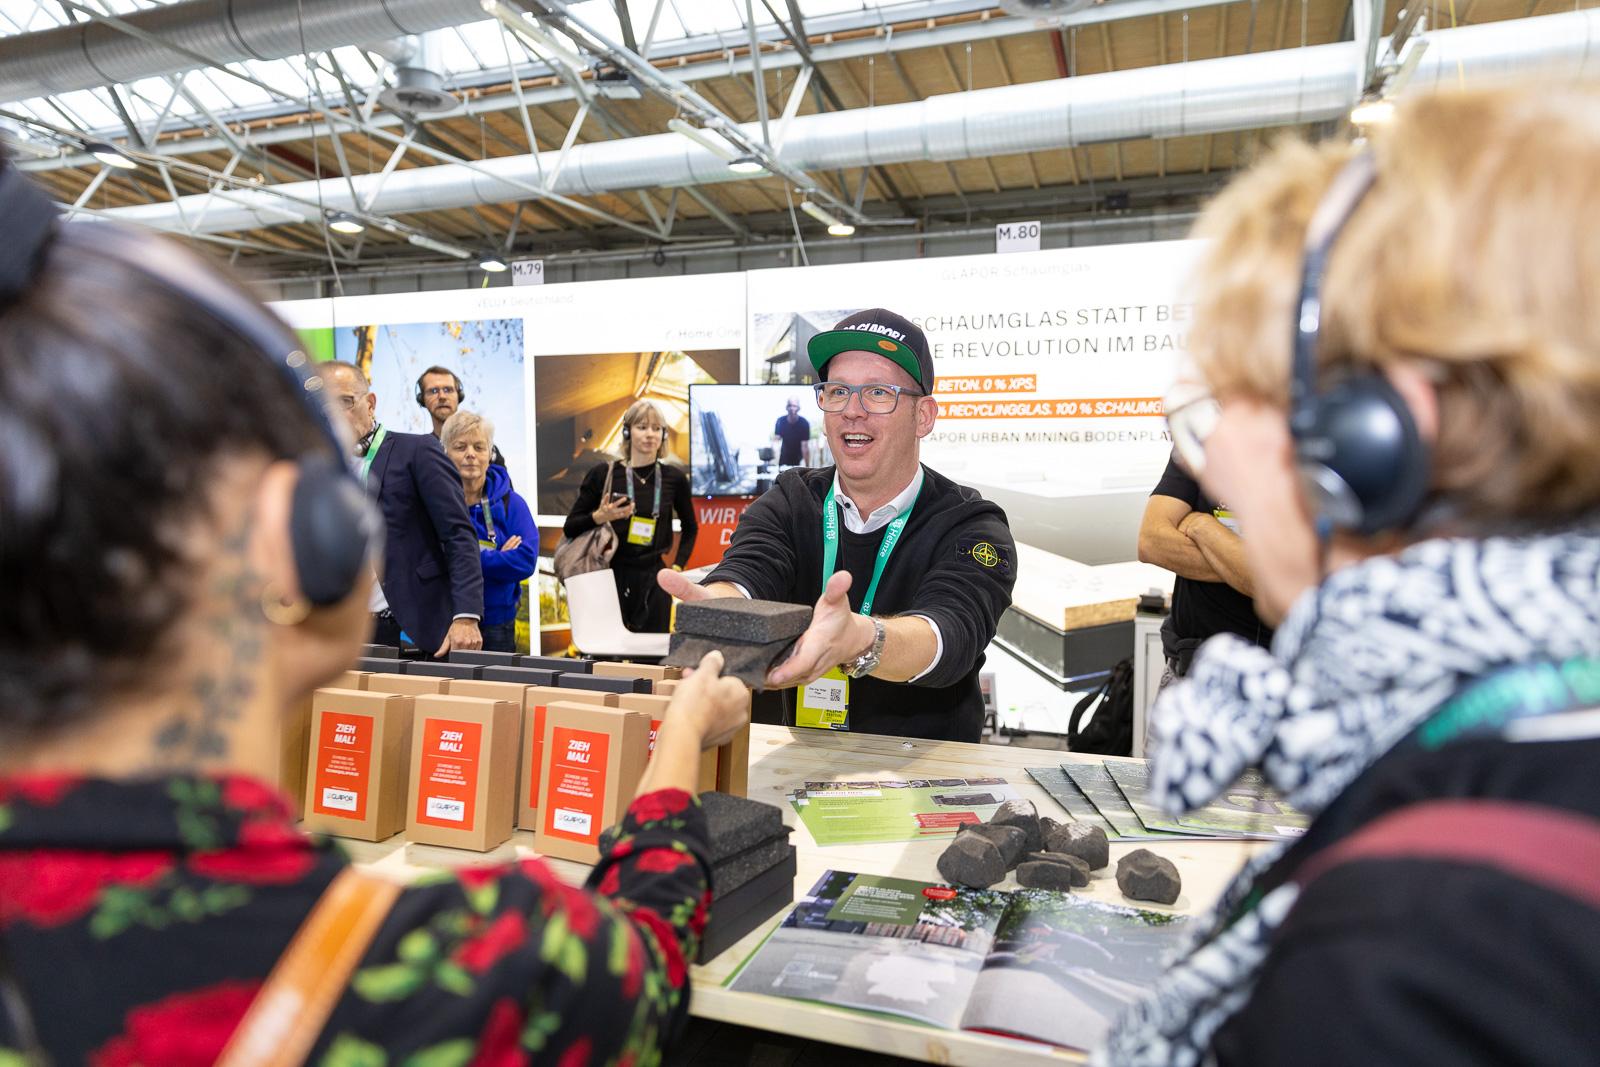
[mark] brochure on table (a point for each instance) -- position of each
(1115, 795)
(1032, 963)
(863, 812)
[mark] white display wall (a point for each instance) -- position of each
(1050, 365)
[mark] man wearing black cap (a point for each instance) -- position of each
(912, 569)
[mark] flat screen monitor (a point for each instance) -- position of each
(742, 436)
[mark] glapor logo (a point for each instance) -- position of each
(874, 327)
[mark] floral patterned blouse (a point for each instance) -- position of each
(141, 917)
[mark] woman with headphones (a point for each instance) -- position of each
(644, 495)
(184, 554)
(1402, 347)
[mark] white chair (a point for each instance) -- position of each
(596, 616)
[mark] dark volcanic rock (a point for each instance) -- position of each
(972, 860)
(1079, 868)
(1086, 842)
(1025, 817)
(1042, 874)
(1143, 875)
(1048, 826)
(1008, 839)
(754, 622)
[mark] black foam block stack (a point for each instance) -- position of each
(559, 664)
(519, 675)
(380, 664)
(380, 651)
(753, 868)
(597, 684)
(753, 635)
(484, 659)
(443, 670)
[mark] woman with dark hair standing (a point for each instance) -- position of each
(645, 494)
(184, 553)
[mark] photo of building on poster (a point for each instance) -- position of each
(579, 401)
(486, 354)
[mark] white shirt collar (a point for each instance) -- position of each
(881, 517)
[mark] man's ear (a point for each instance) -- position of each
(1420, 395)
(927, 415)
(372, 402)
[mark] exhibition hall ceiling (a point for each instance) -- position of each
(252, 138)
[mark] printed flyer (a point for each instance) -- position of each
(1032, 963)
(863, 812)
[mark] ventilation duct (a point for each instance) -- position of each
(87, 54)
(1288, 87)
(418, 77)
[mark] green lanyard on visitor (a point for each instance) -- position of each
(372, 452)
(830, 546)
(655, 512)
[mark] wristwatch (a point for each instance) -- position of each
(867, 662)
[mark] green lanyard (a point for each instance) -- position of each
(655, 513)
(372, 453)
(488, 520)
(830, 546)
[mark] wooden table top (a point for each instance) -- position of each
(781, 759)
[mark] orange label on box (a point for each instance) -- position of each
(537, 755)
(448, 786)
(655, 728)
(344, 764)
(575, 801)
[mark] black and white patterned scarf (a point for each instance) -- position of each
(1358, 663)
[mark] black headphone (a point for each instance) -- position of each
(1363, 464)
(333, 524)
(461, 394)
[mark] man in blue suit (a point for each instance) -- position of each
(431, 586)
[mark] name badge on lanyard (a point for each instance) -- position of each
(642, 531)
(825, 703)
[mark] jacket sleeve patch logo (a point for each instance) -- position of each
(985, 554)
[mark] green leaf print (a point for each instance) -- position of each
(617, 958)
(453, 978)
(483, 898)
(350, 1051)
(11, 1057)
(539, 1029)
(5, 823)
(396, 981)
(564, 950)
(456, 1053)
(418, 946)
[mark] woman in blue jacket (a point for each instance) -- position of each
(507, 538)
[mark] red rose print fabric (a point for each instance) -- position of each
(143, 917)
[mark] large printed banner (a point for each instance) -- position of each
(1050, 369)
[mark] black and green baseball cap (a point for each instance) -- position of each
(881, 332)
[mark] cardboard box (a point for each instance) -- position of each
(592, 764)
(360, 759)
(733, 763)
(531, 761)
(294, 742)
(636, 670)
(406, 684)
(656, 707)
(666, 688)
(463, 771)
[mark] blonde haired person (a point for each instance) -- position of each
(1425, 695)
(508, 538)
(645, 494)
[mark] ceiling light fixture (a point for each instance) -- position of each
(535, 36)
(493, 264)
(711, 142)
(747, 165)
(111, 155)
(836, 228)
(422, 240)
(340, 222)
